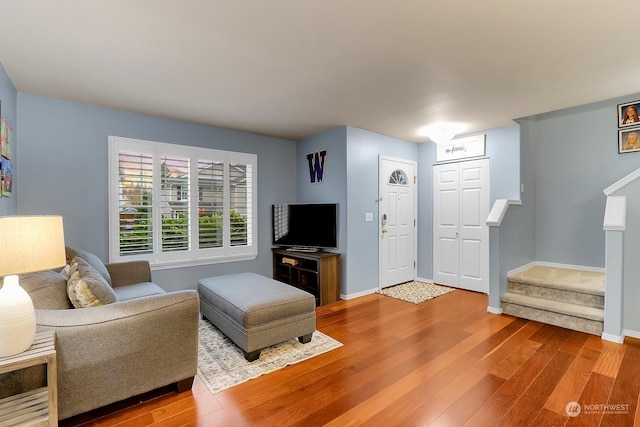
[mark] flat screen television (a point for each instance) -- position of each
(305, 226)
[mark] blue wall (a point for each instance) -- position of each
(574, 153)
(8, 96)
(503, 149)
(62, 170)
(351, 179)
(332, 189)
(363, 151)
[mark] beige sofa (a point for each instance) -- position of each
(145, 340)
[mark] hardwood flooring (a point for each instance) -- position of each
(445, 362)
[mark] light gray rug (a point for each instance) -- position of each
(221, 364)
(416, 291)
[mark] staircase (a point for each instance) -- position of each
(572, 299)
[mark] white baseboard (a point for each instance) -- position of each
(521, 269)
(631, 333)
(494, 310)
(359, 294)
(555, 265)
(613, 338)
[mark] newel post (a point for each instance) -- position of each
(614, 226)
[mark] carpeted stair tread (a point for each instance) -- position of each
(583, 281)
(561, 307)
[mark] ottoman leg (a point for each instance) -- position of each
(252, 356)
(305, 338)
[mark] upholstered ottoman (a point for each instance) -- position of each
(256, 312)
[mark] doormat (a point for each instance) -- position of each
(416, 291)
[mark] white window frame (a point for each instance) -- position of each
(193, 256)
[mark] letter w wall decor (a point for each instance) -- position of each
(317, 162)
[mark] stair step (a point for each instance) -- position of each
(566, 279)
(560, 307)
(569, 298)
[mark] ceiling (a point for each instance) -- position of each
(295, 68)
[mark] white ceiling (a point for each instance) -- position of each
(295, 68)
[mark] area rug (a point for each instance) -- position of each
(416, 291)
(221, 364)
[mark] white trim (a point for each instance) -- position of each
(521, 268)
(167, 265)
(193, 256)
(621, 183)
(499, 209)
(613, 338)
(571, 266)
(631, 333)
(555, 265)
(494, 310)
(359, 294)
(422, 279)
(615, 214)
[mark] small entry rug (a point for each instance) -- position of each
(416, 291)
(221, 364)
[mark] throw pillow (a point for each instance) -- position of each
(87, 287)
(91, 259)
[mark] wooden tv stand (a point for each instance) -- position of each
(315, 272)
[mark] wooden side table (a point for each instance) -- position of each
(37, 407)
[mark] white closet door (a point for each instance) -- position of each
(460, 235)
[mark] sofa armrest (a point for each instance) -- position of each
(129, 272)
(110, 353)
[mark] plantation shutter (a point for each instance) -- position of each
(240, 202)
(135, 194)
(210, 204)
(177, 205)
(174, 185)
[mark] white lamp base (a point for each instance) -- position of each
(17, 318)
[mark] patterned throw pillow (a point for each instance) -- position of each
(86, 286)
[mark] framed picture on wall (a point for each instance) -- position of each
(628, 114)
(6, 175)
(629, 140)
(6, 138)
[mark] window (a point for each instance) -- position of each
(398, 177)
(178, 205)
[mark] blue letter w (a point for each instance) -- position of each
(316, 165)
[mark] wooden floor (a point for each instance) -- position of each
(445, 362)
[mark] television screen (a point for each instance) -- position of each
(305, 225)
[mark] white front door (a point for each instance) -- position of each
(460, 233)
(397, 221)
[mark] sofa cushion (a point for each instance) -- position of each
(86, 287)
(137, 290)
(47, 289)
(90, 258)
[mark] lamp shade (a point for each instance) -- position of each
(30, 243)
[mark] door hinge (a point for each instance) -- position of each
(414, 264)
(415, 179)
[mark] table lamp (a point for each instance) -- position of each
(29, 243)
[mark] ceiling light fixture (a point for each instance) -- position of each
(441, 133)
